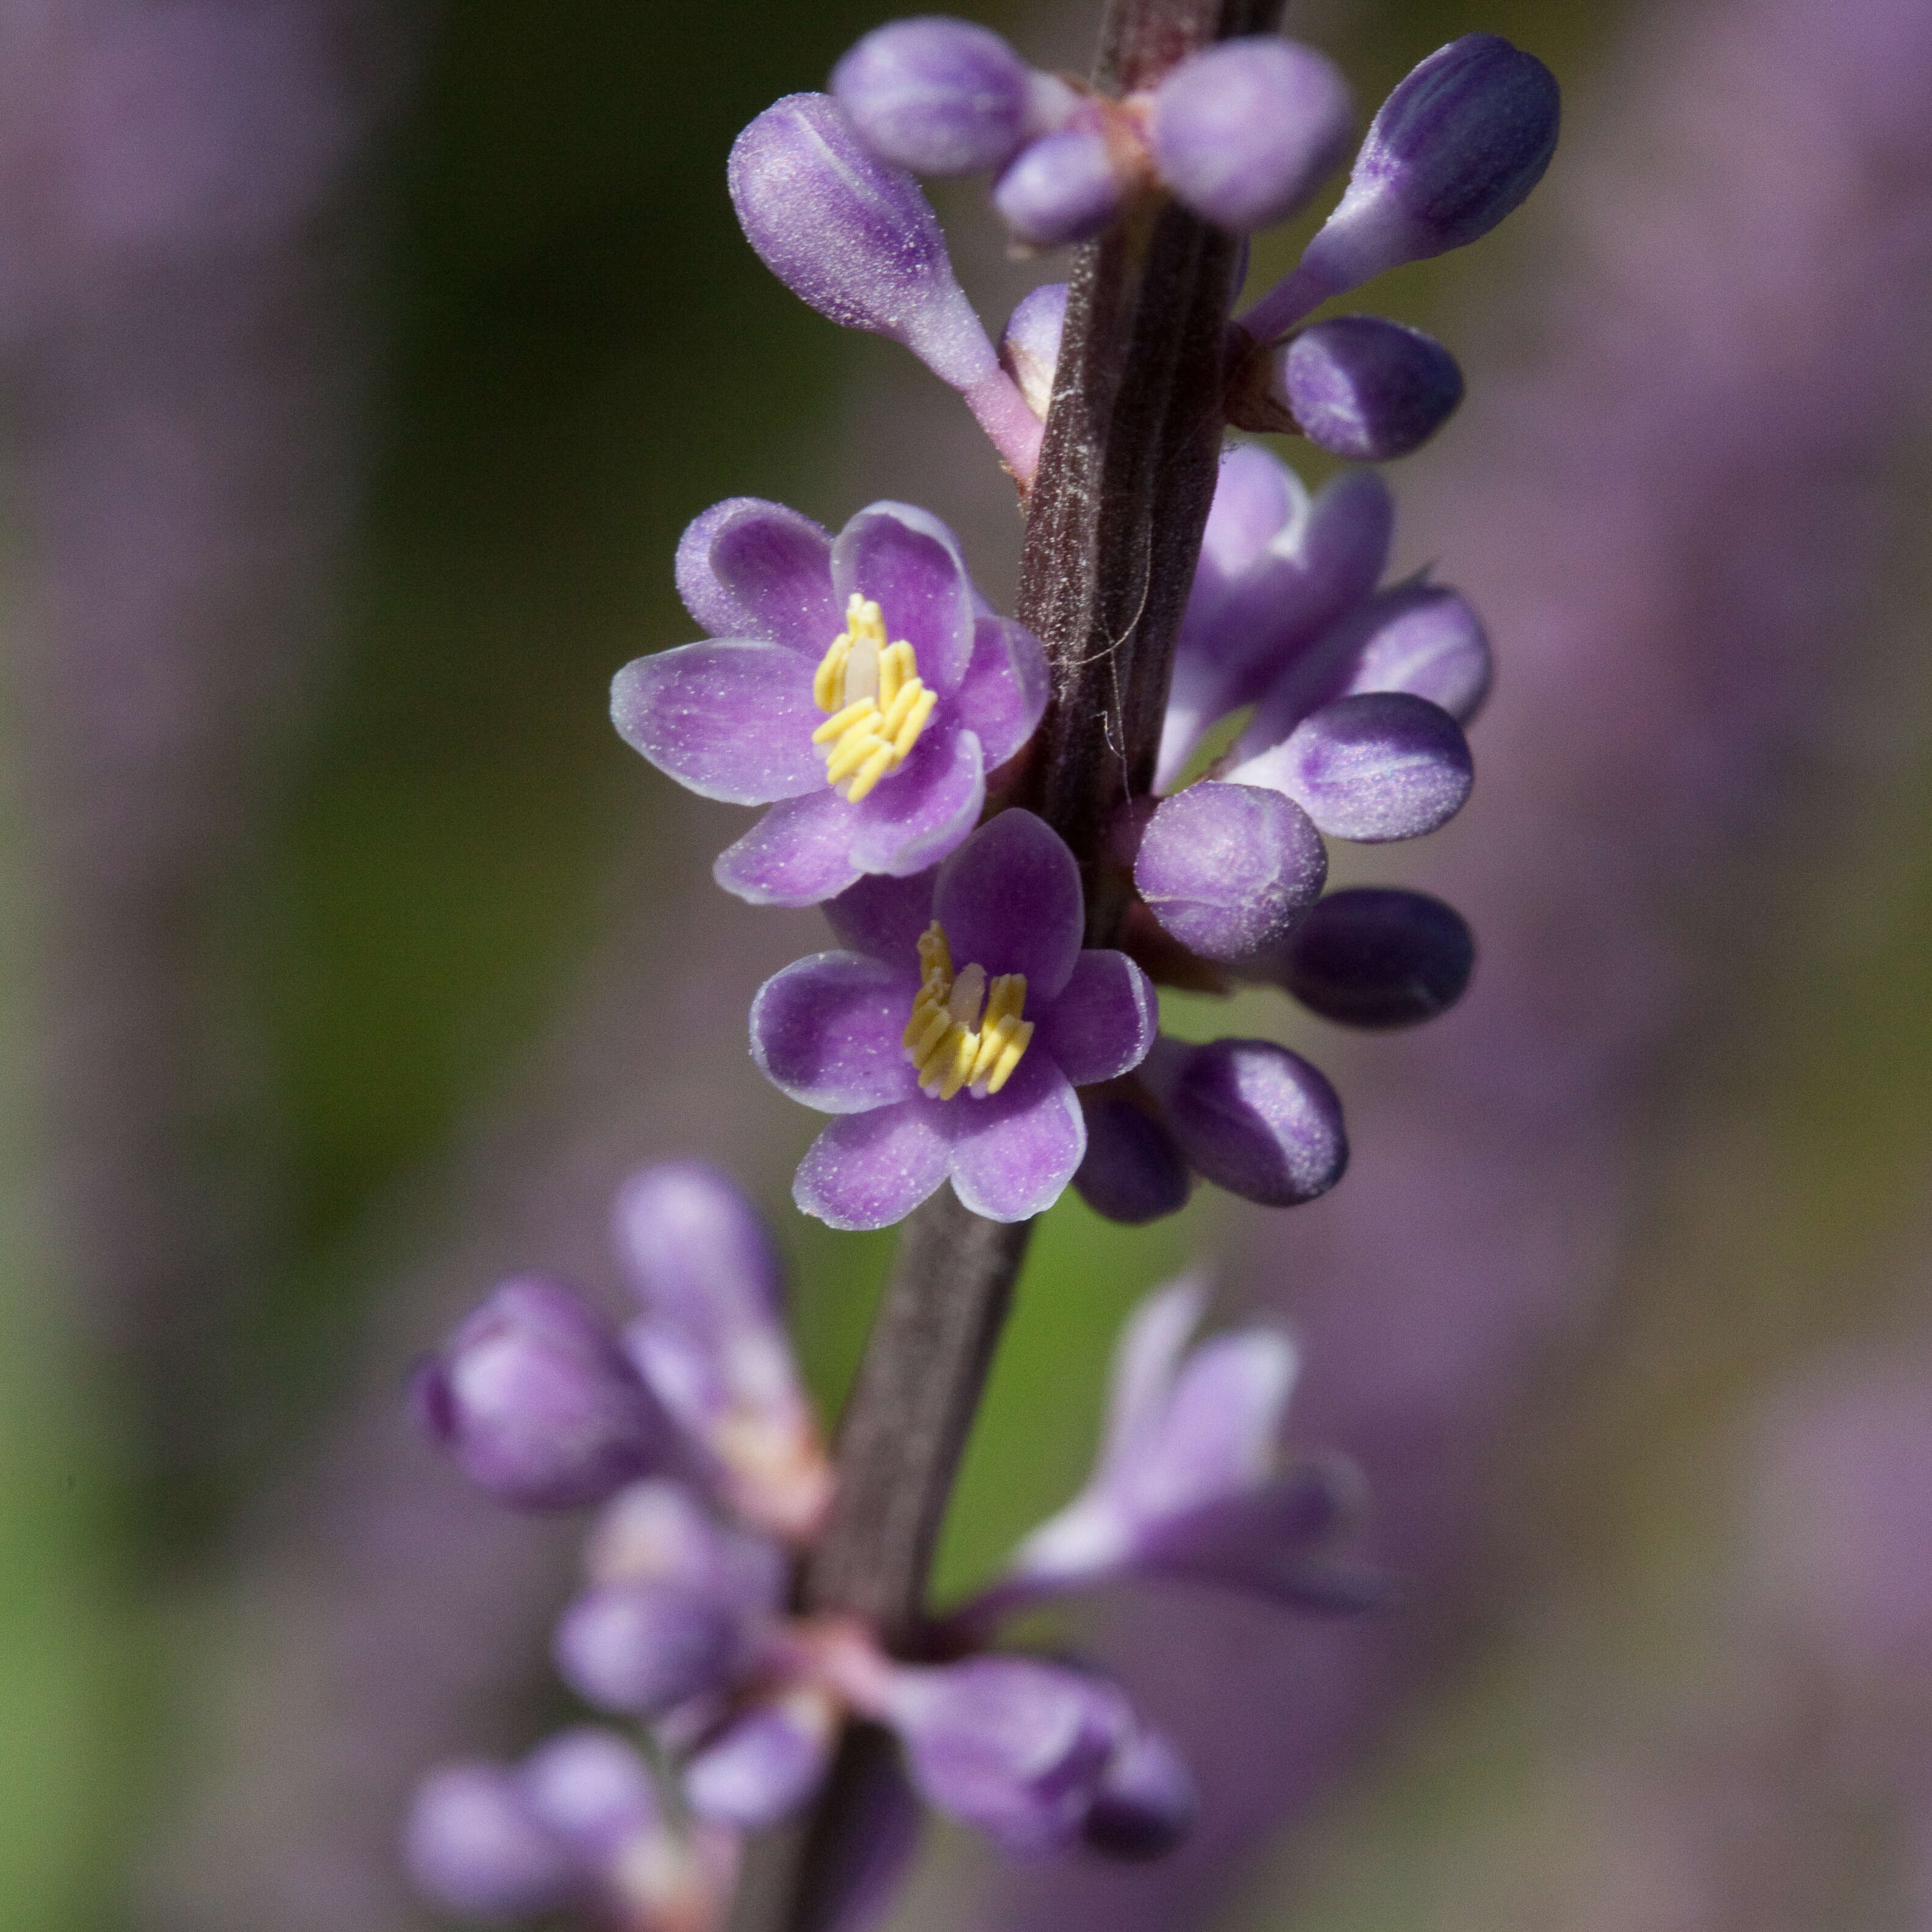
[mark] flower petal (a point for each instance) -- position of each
(870, 1170)
(1104, 1021)
(1014, 1153)
(748, 568)
(798, 854)
(919, 813)
(732, 719)
(1003, 692)
(883, 916)
(826, 1030)
(1010, 901)
(908, 562)
(1217, 1434)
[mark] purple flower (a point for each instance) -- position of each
(1066, 186)
(537, 1402)
(1228, 869)
(646, 1647)
(948, 1040)
(860, 686)
(1277, 571)
(1190, 1483)
(712, 1343)
(1017, 1747)
(1364, 388)
(474, 1846)
(857, 241)
(1461, 142)
(945, 96)
(767, 1762)
(1242, 131)
(659, 1532)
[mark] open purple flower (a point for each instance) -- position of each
(860, 686)
(949, 1038)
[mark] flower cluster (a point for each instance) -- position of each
(1241, 133)
(690, 1433)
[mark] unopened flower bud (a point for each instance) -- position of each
(944, 97)
(1423, 639)
(659, 1532)
(767, 1762)
(1132, 1172)
(1377, 957)
(1381, 766)
(1029, 348)
(645, 1648)
(1016, 1747)
(1460, 142)
(1147, 1801)
(1063, 187)
(856, 240)
(537, 1403)
(1228, 869)
(1242, 132)
(1251, 1117)
(592, 1790)
(1364, 388)
(474, 1846)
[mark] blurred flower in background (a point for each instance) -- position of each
(362, 371)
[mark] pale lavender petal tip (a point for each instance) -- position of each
(1244, 132)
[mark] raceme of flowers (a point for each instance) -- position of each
(689, 1433)
(859, 690)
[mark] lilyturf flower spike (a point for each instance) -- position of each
(859, 685)
(948, 1040)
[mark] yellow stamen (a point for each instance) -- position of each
(878, 702)
(964, 1032)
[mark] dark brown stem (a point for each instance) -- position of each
(1114, 527)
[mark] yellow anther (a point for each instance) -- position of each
(874, 768)
(878, 702)
(963, 1031)
(840, 722)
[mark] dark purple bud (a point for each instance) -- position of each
(766, 1763)
(1461, 142)
(1147, 1802)
(538, 1403)
(1132, 1172)
(1242, 132)
(645, 1648)
(1376, 956)
(474, 1846)
(1380, 766)
(944, 97)
(1062, 187)
(1364, 388)
(1030, 349)
(1228, 869)
(1251, 1117)
(1017, 1747)
(592, 1790)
